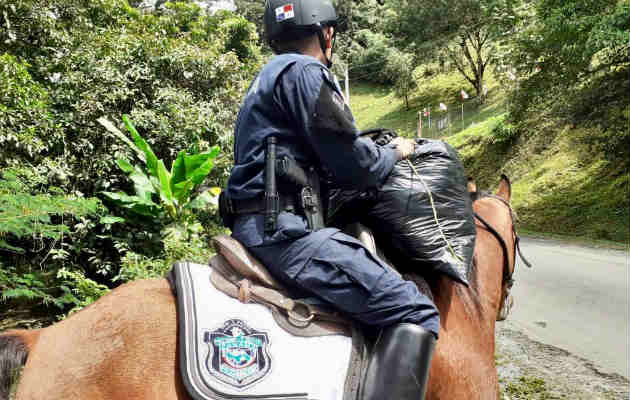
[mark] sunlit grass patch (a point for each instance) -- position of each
(528, 388)
(377, 106)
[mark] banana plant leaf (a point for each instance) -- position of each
(151, 159)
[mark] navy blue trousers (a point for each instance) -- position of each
(344, 274)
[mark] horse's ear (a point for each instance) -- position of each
(472, 186)
(505, 188)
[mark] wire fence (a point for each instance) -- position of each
(441, 120)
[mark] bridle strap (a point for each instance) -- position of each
(507, 274)
(518, 239)
(520, 254)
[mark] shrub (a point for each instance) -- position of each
(179, 74)
(400, 68)
(23, 215)
(36, 241)
(176, 248)
(27, 129)
(370, 54)
(503, 132)
(160, 194)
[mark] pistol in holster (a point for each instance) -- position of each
(307, 184)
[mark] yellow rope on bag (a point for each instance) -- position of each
(435, 217)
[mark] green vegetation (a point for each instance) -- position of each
(179, 74)
(174, 189)
(528, 388)
(556, 114)
(376, 105)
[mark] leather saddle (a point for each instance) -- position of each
(242, 276)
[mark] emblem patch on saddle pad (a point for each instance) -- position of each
(238, 354)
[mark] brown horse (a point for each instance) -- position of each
(124, 345)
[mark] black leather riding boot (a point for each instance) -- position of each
(399, 367)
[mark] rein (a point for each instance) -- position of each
(507, 274)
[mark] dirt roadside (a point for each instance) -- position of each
(529, 370)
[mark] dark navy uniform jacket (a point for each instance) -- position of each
(294, 98)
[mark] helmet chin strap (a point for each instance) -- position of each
(322, 44)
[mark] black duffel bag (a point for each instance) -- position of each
(404, 212)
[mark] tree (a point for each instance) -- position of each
(468, 32)
(568, 42)
(400, 68)
(253, 11)
(369, 55)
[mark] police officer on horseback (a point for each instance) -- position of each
(294, 133)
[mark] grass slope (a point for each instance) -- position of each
(561, 184)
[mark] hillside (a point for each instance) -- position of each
(564, 181)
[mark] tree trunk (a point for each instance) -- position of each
(469, 60)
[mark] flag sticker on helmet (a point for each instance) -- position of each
(284, 12)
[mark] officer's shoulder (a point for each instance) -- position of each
(315, 69)
(294, 64)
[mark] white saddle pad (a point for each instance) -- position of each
(233, 350)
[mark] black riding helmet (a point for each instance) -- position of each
(295, 19)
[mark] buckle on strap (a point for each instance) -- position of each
(307, 196)
(296, 317)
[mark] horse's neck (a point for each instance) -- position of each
(489, 272)
(483, 296)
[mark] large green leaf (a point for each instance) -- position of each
(214, 151)
(193, 162)
(189, 171)
(180, 185)
(182, 190)
(125, 166)
(142, 184)
(119, 197)
(151, 159)
(112, 129)
(124, 199)
(136, 204)
(110, 219)
(166, 194)
(197, 176)
(178, 170)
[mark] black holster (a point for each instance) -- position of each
(307, 184)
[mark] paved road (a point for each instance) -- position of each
(575, 298)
